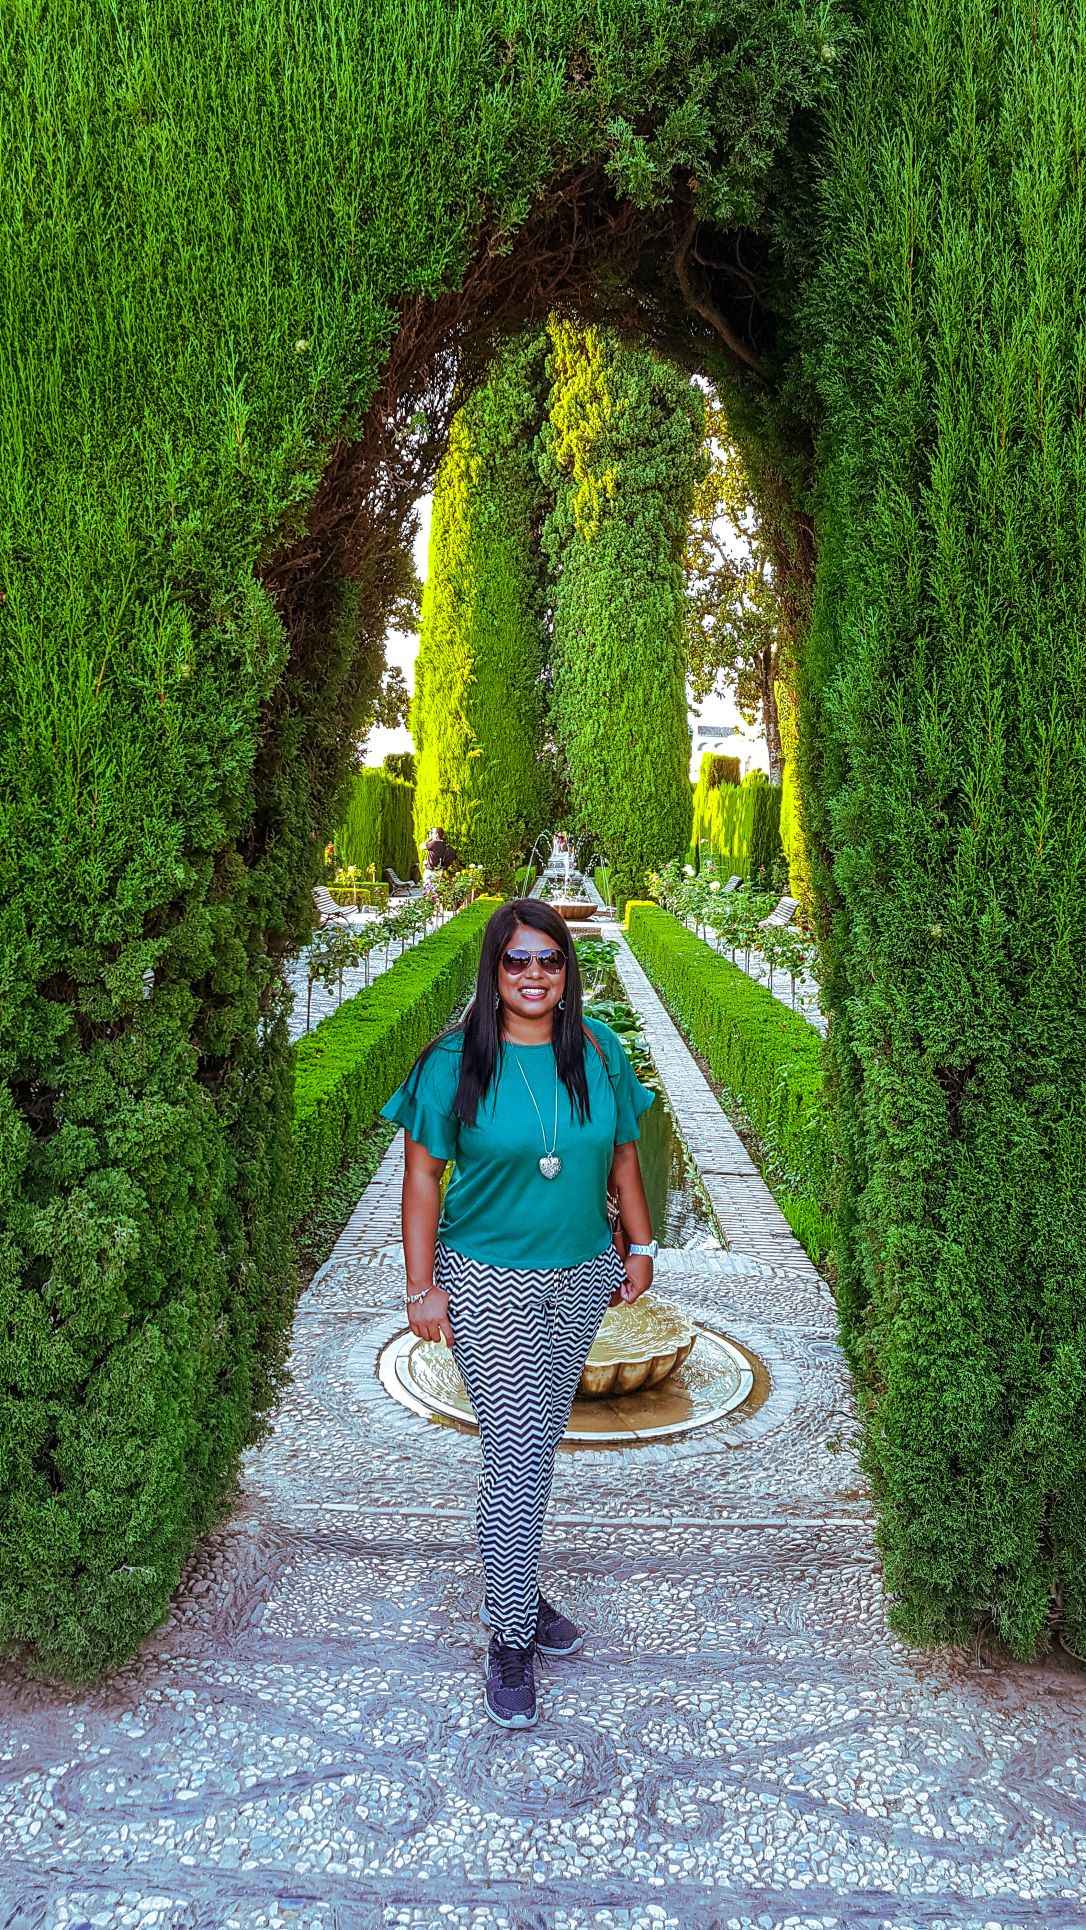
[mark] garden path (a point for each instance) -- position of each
(742, 1742)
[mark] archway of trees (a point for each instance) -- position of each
(870, 231)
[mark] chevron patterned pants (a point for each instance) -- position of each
(520, 1340)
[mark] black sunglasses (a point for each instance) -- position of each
(517, 960)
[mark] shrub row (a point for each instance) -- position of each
(345, 1070)
(377, 824)
(766, 1056)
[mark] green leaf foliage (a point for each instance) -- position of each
(943, 751)
(229, 230)
(622, 451)
(400, 764)
(477, 713)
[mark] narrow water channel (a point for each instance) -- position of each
(680, 1216)
(680, 1212)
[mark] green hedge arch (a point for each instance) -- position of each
(873, 231)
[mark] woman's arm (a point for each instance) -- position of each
(421, 1210)
(626, 1183)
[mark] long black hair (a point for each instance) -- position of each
(481, 1027)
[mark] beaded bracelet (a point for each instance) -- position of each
(413, 1297)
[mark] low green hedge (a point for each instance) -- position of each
(346, 1069)
(768, 1057)
(361, 895)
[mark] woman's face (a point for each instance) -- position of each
(531, 992)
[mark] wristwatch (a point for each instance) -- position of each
(650, 1251)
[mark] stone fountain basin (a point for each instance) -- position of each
(637, 1346)
(572, 909)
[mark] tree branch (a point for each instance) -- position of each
(702, 306)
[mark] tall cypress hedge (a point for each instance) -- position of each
(737, 823)
(376, 825)
(876, 235)
(793, 842)
(622, 448)
(943, 745)
(477, 716)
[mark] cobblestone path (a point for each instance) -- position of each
(742, 1743)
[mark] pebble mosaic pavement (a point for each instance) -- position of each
(741, 1746)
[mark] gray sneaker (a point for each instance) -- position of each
(555, 1634)
(510, 1684)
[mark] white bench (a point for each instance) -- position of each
(782, 913)
(331, 913)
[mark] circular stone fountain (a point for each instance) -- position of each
(562, 885)
(651, 1373)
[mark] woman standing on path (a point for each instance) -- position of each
(536, 1107)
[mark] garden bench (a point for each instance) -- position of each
(733, 883)
(330, 912)
(399, 887)
(782, 913)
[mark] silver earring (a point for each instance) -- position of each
(561, 1005)
(497, 1000)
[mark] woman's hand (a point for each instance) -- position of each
(638, 1278)
(429, 1318)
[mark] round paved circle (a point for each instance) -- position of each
(716, 1378)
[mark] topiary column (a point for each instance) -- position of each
(478, 709)
(621, 452)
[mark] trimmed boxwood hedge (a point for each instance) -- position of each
(345, 1070)
(767, 1056)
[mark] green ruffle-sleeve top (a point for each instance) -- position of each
(498, 1206)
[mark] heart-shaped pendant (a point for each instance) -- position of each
(550, 1165)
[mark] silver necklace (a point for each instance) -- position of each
(550, 1165)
